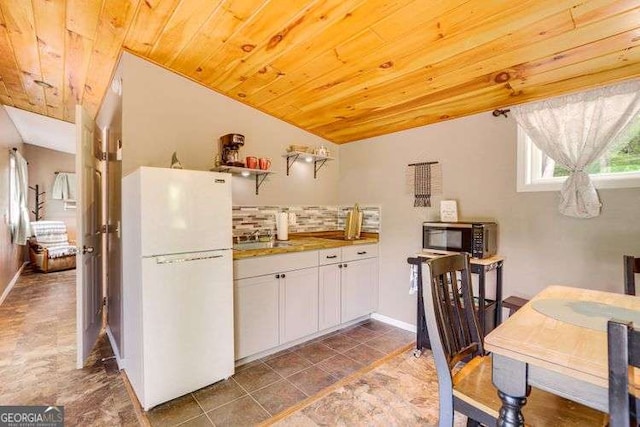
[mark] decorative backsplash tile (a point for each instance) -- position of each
(248, 219)
(370, 218)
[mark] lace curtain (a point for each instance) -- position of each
(575, 130)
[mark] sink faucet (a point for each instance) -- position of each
(256, 235)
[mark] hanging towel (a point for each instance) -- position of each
(64, 186)
(422, 185)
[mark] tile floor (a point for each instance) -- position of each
(38, 355)
(265, 387)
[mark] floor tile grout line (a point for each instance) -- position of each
(253, 398)
(297, 388)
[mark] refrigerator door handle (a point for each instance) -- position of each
(168, 260)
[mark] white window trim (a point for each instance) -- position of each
(529, 157)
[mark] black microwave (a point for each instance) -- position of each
(479, 239)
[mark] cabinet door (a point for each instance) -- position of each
(329, 296)
(299, 304)
(256, 314)
(359, 284)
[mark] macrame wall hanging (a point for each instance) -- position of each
(423, 181)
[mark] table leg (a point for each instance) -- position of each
(499, 294)
(510, 378)
(481, 300)
(511, 410)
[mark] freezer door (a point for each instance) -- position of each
(188, 323)
(184, 211)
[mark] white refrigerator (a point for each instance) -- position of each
(177, 281)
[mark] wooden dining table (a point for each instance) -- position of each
(557, 342)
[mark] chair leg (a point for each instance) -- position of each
(446, 410)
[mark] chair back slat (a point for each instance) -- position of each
(623, 349)
(457, 323)
(631, 268)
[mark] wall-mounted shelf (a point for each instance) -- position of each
(318, 161)
(259, 174)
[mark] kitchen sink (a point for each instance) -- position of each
(245, 246)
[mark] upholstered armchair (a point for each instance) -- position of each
(50, 248)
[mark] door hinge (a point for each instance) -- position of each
(108, 228)
(104, 156)
(104, 301)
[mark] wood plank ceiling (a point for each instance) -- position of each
(342, 69)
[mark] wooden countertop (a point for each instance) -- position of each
(311, 241)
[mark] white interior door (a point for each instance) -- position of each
(89, 258)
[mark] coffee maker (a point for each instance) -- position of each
(229, 146)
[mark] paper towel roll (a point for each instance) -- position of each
(282, 225)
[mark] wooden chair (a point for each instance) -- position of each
(455, 336)
(631, 268)
(623, 342)
(514, 304)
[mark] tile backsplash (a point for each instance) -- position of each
(247, 219)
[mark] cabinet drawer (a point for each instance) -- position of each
(352, 253)
(271, 264)
(329, 256)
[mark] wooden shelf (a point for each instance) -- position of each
(318, 161)
(259, 174)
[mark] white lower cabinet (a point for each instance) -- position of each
(329, 294)
(358, 285)
(298, 304)
(282, 298)
(256, 306)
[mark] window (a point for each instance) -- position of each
(618, 168)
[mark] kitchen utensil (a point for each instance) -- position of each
(353, 223)
(252, 162)
(299, 148)
(282, 225)
(321, 151)
(264, 163)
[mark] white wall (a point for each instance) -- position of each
(10, 254)
(43, 164)
(478, 156)
(163, 112)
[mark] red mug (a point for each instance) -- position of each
(251, 162)
(264, 164)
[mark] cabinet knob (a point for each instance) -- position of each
(332, 256)
(283, 276)
(345, 265)
(277, 276)
(362, 252)
(339, 265)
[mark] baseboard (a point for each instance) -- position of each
(114, 347)
(394, 322)
(12, 283)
